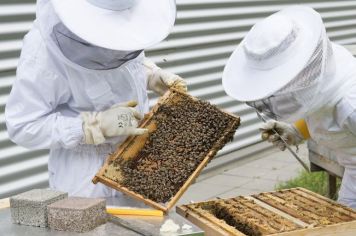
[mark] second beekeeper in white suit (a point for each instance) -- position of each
(288, 69)
(81, 73)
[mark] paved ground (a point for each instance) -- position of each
(256, 176)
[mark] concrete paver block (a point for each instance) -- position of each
(77, 214)
(30, 208)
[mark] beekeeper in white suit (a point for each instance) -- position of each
(79, 78)
(287, 69)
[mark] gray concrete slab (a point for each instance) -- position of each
(267, 164)
(240, 191)
(9, 229)
(227, 180)
(202, 191)
(116, 226)
(77, 214)
(285, 156)
(261, 185)
(30, 208)
(284, 174)
(251, 172)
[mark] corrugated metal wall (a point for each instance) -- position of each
(205, 34)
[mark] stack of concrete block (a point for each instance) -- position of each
(77, 214)
(30, 208)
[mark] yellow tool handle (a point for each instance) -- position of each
(136, 212)
(302, 127)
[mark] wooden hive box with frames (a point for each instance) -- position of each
(185, 133)
(290, 212)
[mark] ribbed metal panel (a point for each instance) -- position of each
(205, 34)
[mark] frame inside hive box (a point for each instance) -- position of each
(185, 133)
(291, 212)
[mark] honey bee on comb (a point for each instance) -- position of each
(186, 130)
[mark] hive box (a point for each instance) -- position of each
(288, 212)
(77, 214)
(30, 208)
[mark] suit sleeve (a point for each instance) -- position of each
(31, 117)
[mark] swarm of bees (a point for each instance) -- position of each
(231, 212)
(186, 131)
(248, 217)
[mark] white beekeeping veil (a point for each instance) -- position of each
(302, 95)
(107, 46)
(286, 67)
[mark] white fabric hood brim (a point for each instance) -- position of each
(246, 83)
(145, 24)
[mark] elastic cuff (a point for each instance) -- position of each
(70, 131)
(91, 128)
(77, 129)
(88, 137)
(302, 128)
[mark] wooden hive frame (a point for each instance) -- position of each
(134, 144)
(216, 227)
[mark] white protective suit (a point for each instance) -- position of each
(323, 92)
(330, 113)
(334, 126)
(47, 97)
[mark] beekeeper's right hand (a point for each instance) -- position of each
(288, 132)
(120, 119)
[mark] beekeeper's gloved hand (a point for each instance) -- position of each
(120, 119)
(288, 132)
(159, 81)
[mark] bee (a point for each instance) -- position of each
(186, 131)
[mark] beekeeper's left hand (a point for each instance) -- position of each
(159, 81)
(288, 132)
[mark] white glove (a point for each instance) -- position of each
(120, 119)
(159, 81)
(288, 132)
